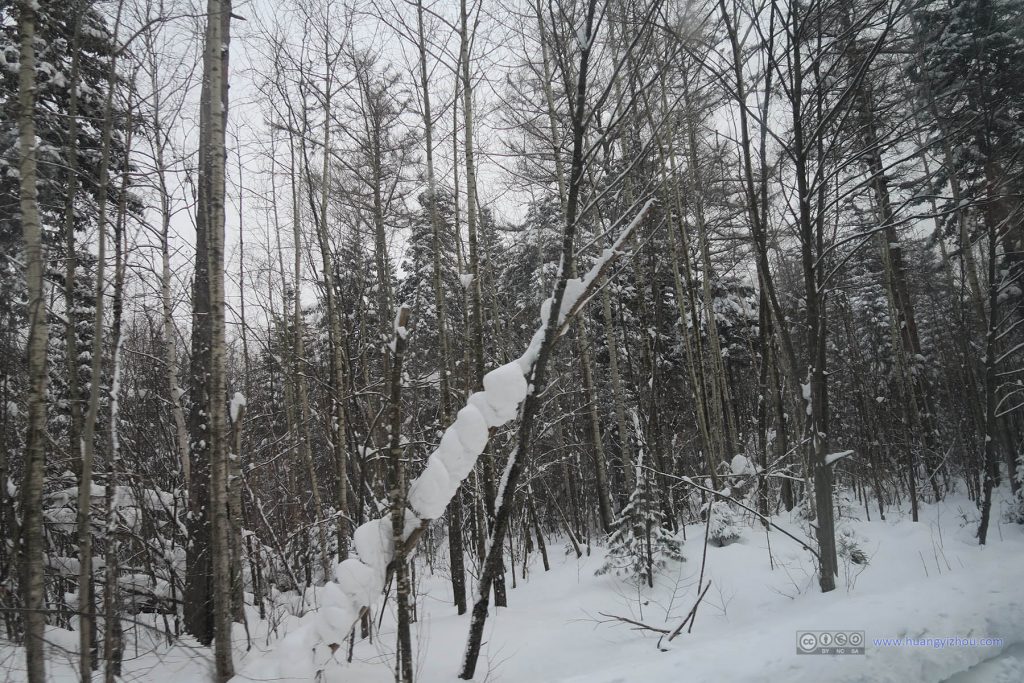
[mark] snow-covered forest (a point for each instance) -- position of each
(511, 340)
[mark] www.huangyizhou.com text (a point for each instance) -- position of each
(938, 643)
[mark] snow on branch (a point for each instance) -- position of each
(237, 406)
(833, 458)
(358, 581)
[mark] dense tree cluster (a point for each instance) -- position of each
(237, 322)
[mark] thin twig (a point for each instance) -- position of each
(690, 617)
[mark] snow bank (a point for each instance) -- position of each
(745, 629)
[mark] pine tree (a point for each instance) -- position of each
(63, 29)
(972, 79)
(416, 287)
(70, 112)
(723, 526)
(971, 73)
(640, 544)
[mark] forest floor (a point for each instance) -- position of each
(928, 580)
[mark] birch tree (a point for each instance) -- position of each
(30, 540)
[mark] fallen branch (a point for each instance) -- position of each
(641, 626)
(638, 624)
(690, 617)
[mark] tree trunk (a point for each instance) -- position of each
(198, 595)
(720, 400)
(31, 544)
(87, 606)
(339, 428)
(604, 498)
(404, 663)
(475, 291)
(300, 363)
(71, 256)
(688, 323)
(455, 546)
(113, 637)
(811, 234)
(519, 457)
(181, 440)
(213, 119)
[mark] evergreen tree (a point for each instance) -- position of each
(65, 29)
(73, 49)
(723, 525)
(416, 287)
(971, 72)
(640, 544)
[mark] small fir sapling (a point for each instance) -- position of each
(723, 525)
(639, 544)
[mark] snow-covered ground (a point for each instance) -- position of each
(928, 580)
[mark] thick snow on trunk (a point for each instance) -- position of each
(359, 580)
